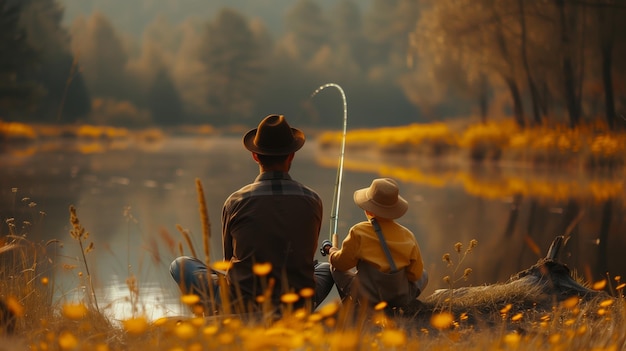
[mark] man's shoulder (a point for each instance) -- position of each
(310, 190)
(273, 187)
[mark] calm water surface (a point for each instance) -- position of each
(131, 197)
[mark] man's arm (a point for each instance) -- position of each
(227, 240)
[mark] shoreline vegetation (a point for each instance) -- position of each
(15, 132)
(590, 147)
(33, 317)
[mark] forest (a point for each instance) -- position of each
(541, 62)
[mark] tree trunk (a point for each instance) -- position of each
(534, 94)
(606, 21)
(570, 93)
(546, 98)
(509, 77)
(518, 108)
(607, 80)
(483, 99)
(569, 80)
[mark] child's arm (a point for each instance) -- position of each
(415, 269)
(347, 257)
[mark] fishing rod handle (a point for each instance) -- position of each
(326, 245)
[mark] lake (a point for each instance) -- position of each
(131, 196)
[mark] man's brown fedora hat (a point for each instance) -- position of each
(274, 137)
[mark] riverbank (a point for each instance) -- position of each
(494, 317)
(15, 132)
(589, 147)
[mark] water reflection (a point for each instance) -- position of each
(131, 198)
(148, 301)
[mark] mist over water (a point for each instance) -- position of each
(131, 197)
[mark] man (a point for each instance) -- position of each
(274, 221)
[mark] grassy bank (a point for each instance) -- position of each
(45, 324)
(587, 147)
(19, 132)
(36, 317)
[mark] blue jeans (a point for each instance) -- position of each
(192, 276)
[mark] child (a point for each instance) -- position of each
(389, 263)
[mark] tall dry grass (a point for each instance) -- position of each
(44, 324)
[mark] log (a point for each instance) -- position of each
(538, 288)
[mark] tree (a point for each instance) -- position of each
(476, 36)
(164, 101)
(347, 32)
(567, 24)
(306, 29)
(556, 54)
(534, 93)
(607, 26)
(235, 64)
(440, 85)
(64, 95)
(103, 57)
(16, 57)
(189, 73)
(505, 50)
(387, 24)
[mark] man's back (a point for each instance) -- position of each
(275, 220)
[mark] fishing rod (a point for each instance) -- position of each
(334, 213)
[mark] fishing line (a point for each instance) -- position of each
(334, 213)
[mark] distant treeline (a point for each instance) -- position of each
(558, 60)
(399, 61)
